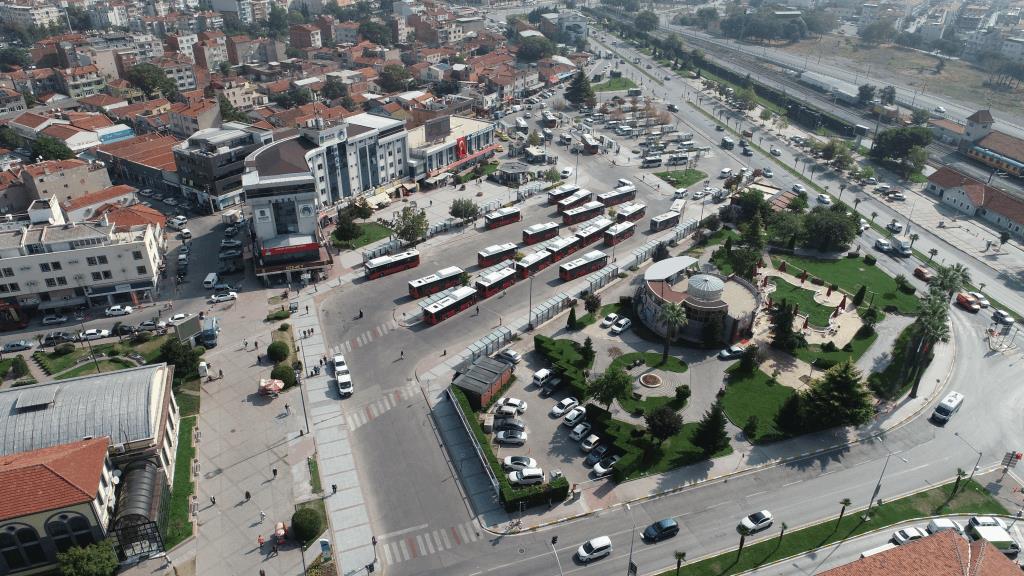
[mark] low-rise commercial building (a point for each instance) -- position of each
(211, 161)
(447, 144)
(146, 161)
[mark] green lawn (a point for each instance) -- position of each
(675, 452)
(901, 373)
(371, 232)
(186, 394)
(753, 394)
(87, 368)
(652, 360)
(150, 349)
(178, 525)
(860, 344)
(614, 84)
(682, 178)
(971, 499)
(5, 365)
(850, 274)
(588, 319)
(804, 299)
(314, 474)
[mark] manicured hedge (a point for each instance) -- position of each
(566, 361)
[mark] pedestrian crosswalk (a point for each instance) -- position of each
(408, 546)
(357, 417)
(365, 338)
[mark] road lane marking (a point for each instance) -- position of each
(792, 483)
(387, 553)
(444, 536)
(404, 549)
(402, 532)
(462, 533)
(757, 493)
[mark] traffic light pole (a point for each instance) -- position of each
(554, 540)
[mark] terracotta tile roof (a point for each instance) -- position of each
(194, 110)
(152, 150)
(100, 100)
(31, 119)
(89, 121)
(8, 178)
(50, 166)
(946, 124)
(124, 217)
(132, 110)
(947, 177)
(97, 197)
(62, 131)
(981, 117)
(980, 194)
(1003, 144)
(51, 478)
(942, 554)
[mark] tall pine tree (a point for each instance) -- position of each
(710, 435)
(783, 336)
(838, 398)
(579, 92)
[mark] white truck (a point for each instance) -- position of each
(995, 536)
(901, 246)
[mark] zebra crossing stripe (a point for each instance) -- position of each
(437, 539)
(387, 553)
(455, 535)
(444, 537)
(473, 535)
(462, 533)
(428, 545)
(405, 550)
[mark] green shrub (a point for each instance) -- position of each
(278, 315)
(141, 337)
(64, 349)
(306, 524)
(284, 373)
(750, 428)
(869, 260)
(19, 367)
(284, 327)
(277, 351)
(682, 393)
(829, 346)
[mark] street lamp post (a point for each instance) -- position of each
(632, 538)
(976, 464)
(878, 485)
(554, 540)
(530, 311)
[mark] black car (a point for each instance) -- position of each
(509, 424)
(673, 108)
(595, 455)
(55, 338)
(747, 152)
(125, 329)
(660, 530)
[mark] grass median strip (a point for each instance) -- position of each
(970, 499)
(614, 85)
(178, 525)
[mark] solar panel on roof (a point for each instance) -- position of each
(41, 396)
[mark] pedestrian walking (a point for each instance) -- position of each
(334, 488)
(245, 343)
(275, 549)
(213, 500)
(287, 409)
(263, 515)
(307, 309)
(275, 472)
(220, 373)
(263, 572)
(256, 343)
(257, 358)
(401, 354)
(248, 496)
(259, 540)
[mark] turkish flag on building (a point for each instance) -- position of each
(461, 150)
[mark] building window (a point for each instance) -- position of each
(55, 265)
(137, 254)
(14, 287)
(69, 529)
(140, 270)
(101, 259)
(97, 276)
(20, 547)
(51, 283)
(62, 281)
(107, 275)
(91, 260)
(44, 267)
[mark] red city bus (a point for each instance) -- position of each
(501, 217)
(590, 262)
(631, 212)
(664, 221)
(458, 300)
(590, 144)
(579, 197)
(591, 231)
(540, 233)
(490, 284)
(533, 263)
(493, 254)
(440, 280)
(618, 233)
(562, 192)
(385, 265)
(618, 196)
(562, 247)
(583, 213)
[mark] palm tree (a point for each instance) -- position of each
(873, 216)
(680, 558)
(932, 253)
(914, 238)
(930, 327)
(782, 532)
(960, 475)
(674, 317)
(844, 503)
(856, 202)
(952, 278)
(744, 532)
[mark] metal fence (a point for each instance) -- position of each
(486, 346)
(476, 444)
(548, 309)
(389, 247)
(600, 279)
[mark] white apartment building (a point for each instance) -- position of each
(29, 14)
(48, 263)
(240, 10)
(376, 153)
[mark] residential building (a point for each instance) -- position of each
(435, 30)
(84, 206)
(209, 21)
(238, 10)
(346, 33)
(64, 180)
(574, 26)
(80, 81)
(179, 68)
(241, 94)
(934, 26)
(211, 50)
(127, 216)
(58, 497)
(11, 101)
(50, 263)
(211, 161)
(944, 553)
(146, 161)
(998, 150)
(974, 198)
(182, 43)
(101, 102)
(141, 431)
(28, 14)
(189, 119)
(242, 49)
(448, 143)
(304, 36)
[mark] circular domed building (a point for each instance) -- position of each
(706, 297)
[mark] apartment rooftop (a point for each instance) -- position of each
(461, 126)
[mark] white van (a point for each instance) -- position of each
(948, 407)
(541, 376)
(940, 524)
(878, 550)
(186, 234)
(725, 173)
(210, 281)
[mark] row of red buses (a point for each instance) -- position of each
(618, 233)
(456, 301)
(562, 247)
(501, 217)
(578, 198)
(490, 284)
(440, 280)
(384, 265)
(631, 212)
(532, 263)
(591, 231)
(618, 196)
(562, 192)
(590, 262)
(539, 233)
(583, 213)
(664, 221)
(496, 253)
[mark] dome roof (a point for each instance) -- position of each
(705, 287)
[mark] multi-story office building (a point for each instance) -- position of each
(26, 14)
(210, 163)
(447, 143)
(376, 155)
(49, 263)
(240, 10)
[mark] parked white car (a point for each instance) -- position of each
(515, 403)
(118, 310)
(94, 334)
(224, 297)
(609, 320)
(564, 406)
(574, 416)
